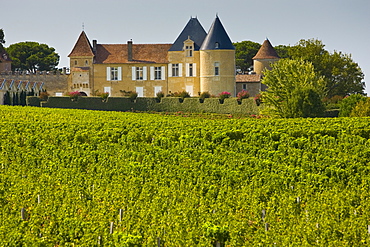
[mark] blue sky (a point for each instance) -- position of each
(340, 25)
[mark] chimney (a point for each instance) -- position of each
(129, 50)
(94, 45)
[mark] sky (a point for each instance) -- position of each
(340, 25)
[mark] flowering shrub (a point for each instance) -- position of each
(242, 95)
(258, 99)
(74, 95)
(224, 95)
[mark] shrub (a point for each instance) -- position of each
(362, 109)
(205, 95)
(258, 99)
(349, 103)
(242, 95)
(224, 95)
(132, 95)
(44, 96)
(104, 96)
(160, 95)
(181, 95)
(333, 102)
(74, 95)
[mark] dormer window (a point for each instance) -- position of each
(189, 50)
(217, 45)
(188, 47)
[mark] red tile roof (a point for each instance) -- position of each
(266, 51)
(82, 47)
(248, 78)
(141, 53)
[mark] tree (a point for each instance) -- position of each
(342, 75)
(244, 52)
(362, 109)
(282, 51)
(349, 103)
(32, 56)
(2, 40)
(293, 89)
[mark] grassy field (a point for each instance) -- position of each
(93, 178)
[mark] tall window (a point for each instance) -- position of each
(217, 68)
(175, 69)
(190, 69)
(244, 86)
(114, 74)
(157, 73)
(139, 73)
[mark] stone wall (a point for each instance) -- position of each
(54, 82)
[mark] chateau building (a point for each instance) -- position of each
(196, 62)
(265, 56)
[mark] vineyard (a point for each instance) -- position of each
(93, 178)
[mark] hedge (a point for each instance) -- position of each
(167, 104)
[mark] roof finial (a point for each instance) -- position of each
(216, 14)
(83, 26)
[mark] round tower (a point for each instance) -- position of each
(217, 61)
(265, 56)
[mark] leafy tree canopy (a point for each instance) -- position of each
(32, 56)
(244, 52)
(294, 89)
(342, 75)
(2, 40)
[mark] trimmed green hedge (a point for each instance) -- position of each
(168, 104)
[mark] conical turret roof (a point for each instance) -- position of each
(192, 30)
(266, 51)
(82, 47)
(217, 38)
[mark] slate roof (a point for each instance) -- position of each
(82, 47)
(266, 51)
(248, 78)
(192, 30)
(217, 34)
(141, 53)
